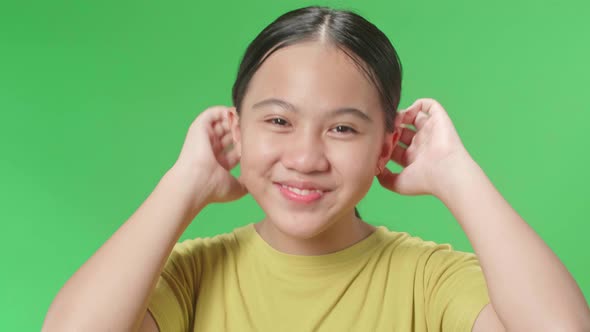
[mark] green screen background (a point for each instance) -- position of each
(96, 98)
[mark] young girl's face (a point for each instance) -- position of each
(311, 135)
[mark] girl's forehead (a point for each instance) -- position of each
(313, 73)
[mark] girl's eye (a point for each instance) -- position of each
(345, 130)
(278, 122)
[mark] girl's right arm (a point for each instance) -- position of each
(110, 292)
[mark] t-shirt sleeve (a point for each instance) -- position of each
(455, 290)
(173, 300)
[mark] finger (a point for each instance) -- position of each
(227, 140)
(420, 119)
(216, 113)
(416, 117)
(216, 146)
(227, 143)
(224, 162)
(420, 111)
(427, 105)
(399, 156)
(232, 158)
(388, 179)
(399, 119)
(221, 145)
(407, 134)
(225, 121)
(219, 130)
(210, 116)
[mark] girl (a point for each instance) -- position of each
(314, 121)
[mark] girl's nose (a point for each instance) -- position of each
(306, 154)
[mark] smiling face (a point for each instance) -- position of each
(311, 135)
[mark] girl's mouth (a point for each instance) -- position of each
(304, 196)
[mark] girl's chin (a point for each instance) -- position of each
(301, 227)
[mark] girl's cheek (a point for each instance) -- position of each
(262, 149)
(346, 158)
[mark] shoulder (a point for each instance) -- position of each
(414, 249)
(210, 246)
(404, 242)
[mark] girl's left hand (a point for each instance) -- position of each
(433, 150)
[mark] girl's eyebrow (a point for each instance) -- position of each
(290, 107)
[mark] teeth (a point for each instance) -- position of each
(302, 192)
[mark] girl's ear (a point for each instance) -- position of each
(389, 143)
(234, 124)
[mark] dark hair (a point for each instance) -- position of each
(358, 38)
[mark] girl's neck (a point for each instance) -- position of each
(340, 235)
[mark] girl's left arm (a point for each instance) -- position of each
(529, 287)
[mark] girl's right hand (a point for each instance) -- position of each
(208, 155)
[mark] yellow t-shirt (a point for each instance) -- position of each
(389, 281)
